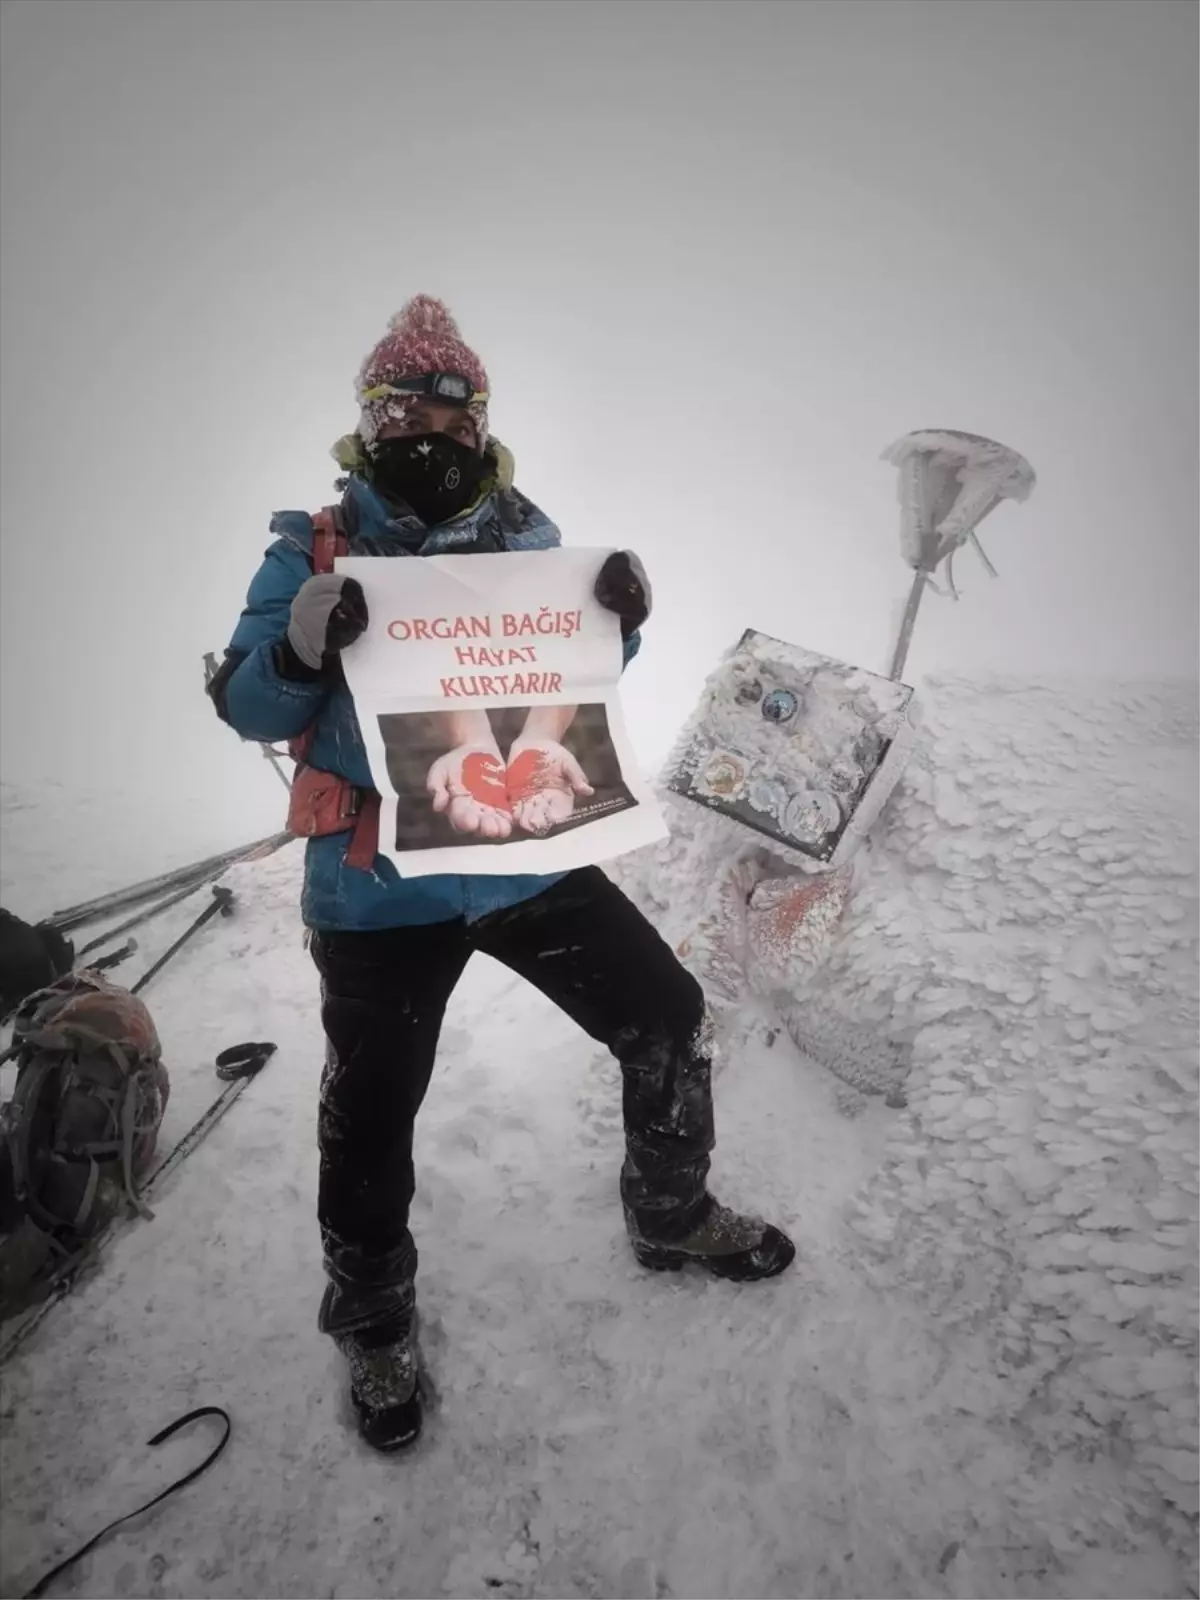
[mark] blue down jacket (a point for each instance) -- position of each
(260, 705)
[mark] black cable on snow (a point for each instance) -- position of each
(48, 1578)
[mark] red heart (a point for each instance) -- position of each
(527, 775)
(483, 779)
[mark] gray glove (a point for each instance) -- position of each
(328, 613)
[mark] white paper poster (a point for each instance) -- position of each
(486, 688)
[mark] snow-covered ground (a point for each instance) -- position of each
(978, 1380)
(59, 846)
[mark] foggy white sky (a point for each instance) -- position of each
(716, 258)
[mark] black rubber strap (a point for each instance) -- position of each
(243, 1060)
(44, 1583)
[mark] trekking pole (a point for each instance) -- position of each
(139, 919)
(196, 874)
(250, 1059)
(256, 1057)
(222, 906)
(210, 671)
(106, 905)
(114, 958)
(272, 756)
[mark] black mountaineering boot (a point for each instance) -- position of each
(384, 1386)
(742, 1249)
(376, 1331)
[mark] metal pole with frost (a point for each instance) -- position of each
(269, 751)
(949, 482)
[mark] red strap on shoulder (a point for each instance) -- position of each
(329, 542)
(329, 539)
(364, 841)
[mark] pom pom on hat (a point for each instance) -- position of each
(422, 337)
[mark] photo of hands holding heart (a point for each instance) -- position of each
(479, 777)
(531, 789)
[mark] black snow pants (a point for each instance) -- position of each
(587, 948)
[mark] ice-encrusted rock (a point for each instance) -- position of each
(1022, 934)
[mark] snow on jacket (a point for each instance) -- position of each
(260, 705)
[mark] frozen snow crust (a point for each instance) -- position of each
(977, 1381)
(1024, 921)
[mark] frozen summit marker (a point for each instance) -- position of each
(804, 750)
(800, 749)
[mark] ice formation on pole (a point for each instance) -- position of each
(949, 482)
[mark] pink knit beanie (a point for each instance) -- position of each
(421, 339)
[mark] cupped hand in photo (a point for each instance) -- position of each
(544, 781)
(468, 786)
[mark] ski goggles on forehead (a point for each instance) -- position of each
(450, 388)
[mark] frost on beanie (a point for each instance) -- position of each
(421, 339)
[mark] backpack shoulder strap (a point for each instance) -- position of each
(32, 1082)
(329, 542)
(329, 538)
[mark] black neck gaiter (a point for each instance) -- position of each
(435, 476)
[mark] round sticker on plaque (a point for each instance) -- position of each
(780, 706)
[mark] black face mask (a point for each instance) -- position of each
(435, 476)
